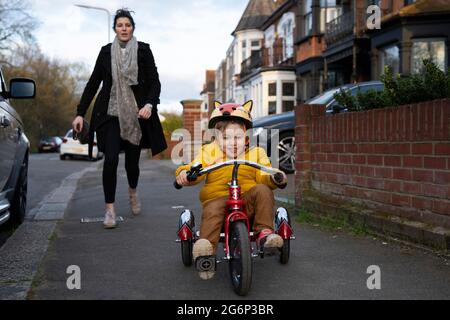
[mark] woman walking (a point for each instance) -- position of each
(125, 111)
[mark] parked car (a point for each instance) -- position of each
(285, 122)
(49, 144)
(73, 148)
(327, 98)
(14, 151)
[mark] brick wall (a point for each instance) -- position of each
(311, 48)
(192, 116)
(396, 160)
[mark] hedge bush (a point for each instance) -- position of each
(432, 83)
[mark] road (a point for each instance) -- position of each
(45, 173)
(140, 259)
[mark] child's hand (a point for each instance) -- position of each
(182, 178)
(282, 181)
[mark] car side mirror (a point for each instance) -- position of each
(337, 108)
(22, 88)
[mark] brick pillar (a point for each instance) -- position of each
(192, 114)
(303, 140)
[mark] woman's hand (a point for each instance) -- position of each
(182, 178)
(77, 124)
(145, 112)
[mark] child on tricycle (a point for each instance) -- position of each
(230, 122)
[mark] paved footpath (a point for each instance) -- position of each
(140, 259)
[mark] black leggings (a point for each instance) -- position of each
(113, 144)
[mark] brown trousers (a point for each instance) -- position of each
(259, 203)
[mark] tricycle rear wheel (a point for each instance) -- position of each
(285, 251)
(186, 252)
(240, 264)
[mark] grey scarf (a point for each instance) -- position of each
(122, 102)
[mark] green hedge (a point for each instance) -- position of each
(432, 83)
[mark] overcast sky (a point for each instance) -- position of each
(186, 36)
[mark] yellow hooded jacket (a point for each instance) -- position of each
(216, 184)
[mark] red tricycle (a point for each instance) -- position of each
(237, 236)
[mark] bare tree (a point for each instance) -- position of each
(16, 25)
(58, 92)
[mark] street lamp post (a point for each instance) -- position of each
(102, 9)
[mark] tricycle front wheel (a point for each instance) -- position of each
(240, 264)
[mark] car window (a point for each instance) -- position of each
(364, 89)
(69, 134)
(324, 98)
(327, 96)
(334, 105)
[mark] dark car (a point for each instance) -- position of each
(285, 122)
(49, 144)
(14, 150)
(327, 98)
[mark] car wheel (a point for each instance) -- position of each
(62, 157)
(286, 152)
(19, 201)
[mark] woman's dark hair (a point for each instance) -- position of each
(124, 13)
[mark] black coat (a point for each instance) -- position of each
(146, 91)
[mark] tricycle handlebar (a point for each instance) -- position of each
(197, 170)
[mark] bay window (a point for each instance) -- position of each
(432, 49)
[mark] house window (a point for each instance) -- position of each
(288, 39)
(272, 89)
(335, 79)
(288, 105)
(256, 43)
(270, 56)
(330, 10)
(307, 17)
(288, 89)
(390, 56)
(244, 50)
(433, 49)
(272, 107)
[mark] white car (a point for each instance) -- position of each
(70, 148)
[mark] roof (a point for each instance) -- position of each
(420, 8)
(284, 7)
(426, 6)
(256, 13)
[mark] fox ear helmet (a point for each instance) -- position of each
(230, 111)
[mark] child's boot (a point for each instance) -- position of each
(204, 248)
(268, 241)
